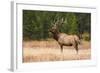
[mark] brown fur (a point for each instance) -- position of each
(65, 39)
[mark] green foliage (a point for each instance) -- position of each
(37, 23)
(86, 36)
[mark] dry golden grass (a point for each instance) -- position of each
(35, 51)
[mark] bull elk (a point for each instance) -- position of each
(62, 38)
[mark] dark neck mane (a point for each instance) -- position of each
(55, 35)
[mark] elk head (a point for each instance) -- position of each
(55, 29)
(55, 26)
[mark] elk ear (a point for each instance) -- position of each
(55, 26)
(60, 22)
(52, 23)
(55, 23)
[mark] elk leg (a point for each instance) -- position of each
(61, 48)
(76, 47)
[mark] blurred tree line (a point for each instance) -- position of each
(37, 23)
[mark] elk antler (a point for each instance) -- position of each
(57, 23)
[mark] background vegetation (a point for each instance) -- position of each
(37, 23)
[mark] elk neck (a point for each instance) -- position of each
(56, 35)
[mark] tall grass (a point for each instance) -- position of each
(37, 51)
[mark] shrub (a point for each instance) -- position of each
(86, 36)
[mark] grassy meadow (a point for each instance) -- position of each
(36, 51)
